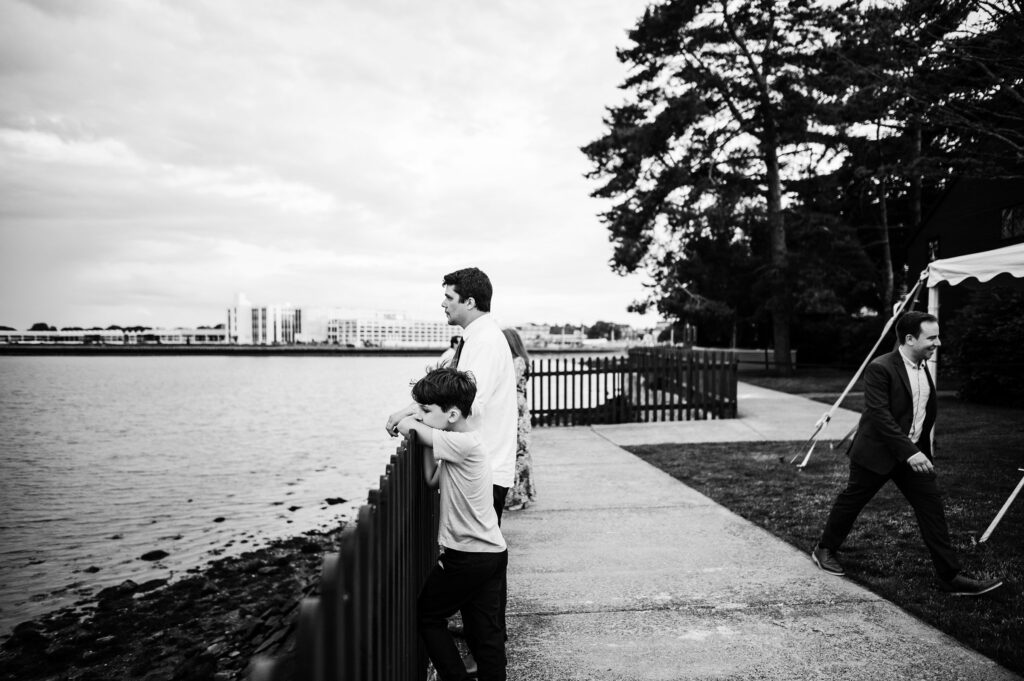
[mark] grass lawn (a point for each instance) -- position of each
(979, 449)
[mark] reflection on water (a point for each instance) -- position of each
(103, 459)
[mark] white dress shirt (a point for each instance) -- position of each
(485, 354)
(920, 391)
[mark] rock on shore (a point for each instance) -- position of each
(203, 627)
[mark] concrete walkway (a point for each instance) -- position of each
(622, 572)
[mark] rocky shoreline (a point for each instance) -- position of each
(203, 627)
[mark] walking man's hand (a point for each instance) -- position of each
(919, 463)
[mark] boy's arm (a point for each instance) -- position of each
(425, 433)
(392, 423)
(431, 471)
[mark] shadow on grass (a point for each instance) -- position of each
(979, 450)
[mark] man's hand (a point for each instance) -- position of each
(919, 463)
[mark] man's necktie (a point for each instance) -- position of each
(458, 353)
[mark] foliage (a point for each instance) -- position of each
(837, 340)
(721, 109)
(932, 91)
(602, 329)
(42, 326)
(987, 352)
(752, 133)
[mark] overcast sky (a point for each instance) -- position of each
(158, 158)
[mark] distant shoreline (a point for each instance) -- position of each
(253, 350)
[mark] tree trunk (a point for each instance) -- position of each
(887, 276)
(781, 300)
(916, 182)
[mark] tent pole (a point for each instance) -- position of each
(933, 363)
(1002, 511)
(823, 422)
(933, 309)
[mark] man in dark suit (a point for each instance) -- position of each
(893, 442)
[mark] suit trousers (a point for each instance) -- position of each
(920, 489)
(472, 583)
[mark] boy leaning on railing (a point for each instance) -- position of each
(471, 569)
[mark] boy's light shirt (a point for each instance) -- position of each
(467, 519)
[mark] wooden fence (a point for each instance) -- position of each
(362, 626)
(651, 384)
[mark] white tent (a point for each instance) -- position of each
(983, 266)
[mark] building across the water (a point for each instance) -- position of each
(117, 336)
(250, 324)
(390, 331)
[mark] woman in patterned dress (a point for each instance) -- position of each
(522, 492)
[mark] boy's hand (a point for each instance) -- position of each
(425, 433)
(392, 423)
(407, 424)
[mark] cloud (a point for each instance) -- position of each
(312, 152)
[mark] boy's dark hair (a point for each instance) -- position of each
(910, 323)
(471, 283)
(447, 388)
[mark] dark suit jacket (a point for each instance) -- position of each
(882, 441)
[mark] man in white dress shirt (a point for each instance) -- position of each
(485, 354)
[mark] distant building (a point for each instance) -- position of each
(390, 331)
(545, 335)
(117, 337)
(250, 324)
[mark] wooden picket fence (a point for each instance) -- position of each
(651, 384)
(362, 626)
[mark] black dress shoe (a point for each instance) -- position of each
(962, 585)
(826, 560)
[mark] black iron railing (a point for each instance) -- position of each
(651, 384)
(362, 626)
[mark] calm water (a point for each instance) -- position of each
(105, 458)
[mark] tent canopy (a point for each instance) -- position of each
(982, 266)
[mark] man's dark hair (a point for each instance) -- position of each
(471, 283)
(447, 388)
(909, 324)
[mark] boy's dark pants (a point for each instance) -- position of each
(472, 583)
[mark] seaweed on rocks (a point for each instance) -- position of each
(203, 627)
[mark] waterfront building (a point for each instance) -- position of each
(250, 324)
(390, 331)
(545, 335)
(117, 336)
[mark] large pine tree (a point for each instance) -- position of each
(718, 116)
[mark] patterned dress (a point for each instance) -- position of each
(522, 492)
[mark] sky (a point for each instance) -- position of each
(159, 158)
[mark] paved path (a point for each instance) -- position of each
(622, 572)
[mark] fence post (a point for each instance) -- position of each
(309, 644)
(331, 607)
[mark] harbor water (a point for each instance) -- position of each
(105, 459)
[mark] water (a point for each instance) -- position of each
(103, 459)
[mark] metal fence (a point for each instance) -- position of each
(651, 384)
(362, 626)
